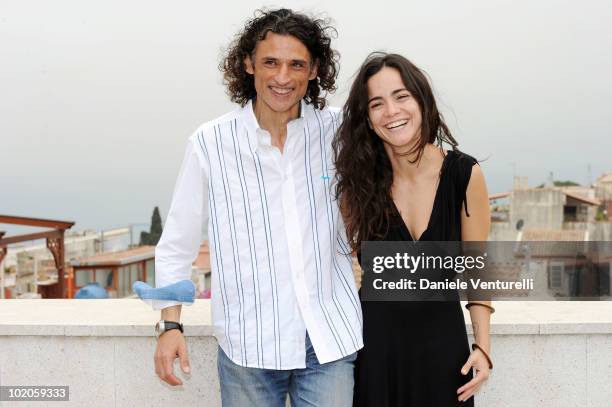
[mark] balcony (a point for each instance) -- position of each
(545, 353)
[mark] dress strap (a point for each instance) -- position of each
(464, 164)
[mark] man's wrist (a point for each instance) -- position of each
(172, 313)
(164, 326)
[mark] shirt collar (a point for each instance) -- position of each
(259, 136)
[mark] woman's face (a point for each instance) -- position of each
(393, 112)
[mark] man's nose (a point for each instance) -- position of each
(282, 77)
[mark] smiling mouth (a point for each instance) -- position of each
(281, 91)
(396, 124)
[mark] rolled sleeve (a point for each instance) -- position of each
(180, 241)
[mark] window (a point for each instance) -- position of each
(570, 213)
(555, 274)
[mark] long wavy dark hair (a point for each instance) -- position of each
(363, 169)
(315, 34)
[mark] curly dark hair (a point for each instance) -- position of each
(315, 34)
(363, 168)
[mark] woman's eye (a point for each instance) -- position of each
(404, 96)
(375, 105)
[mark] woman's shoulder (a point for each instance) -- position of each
(459, 166)
(461, 157)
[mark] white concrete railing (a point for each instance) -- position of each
(545, 353)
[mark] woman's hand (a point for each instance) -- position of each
(357, 272)
(478, 361)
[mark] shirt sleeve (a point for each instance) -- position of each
(180, 241)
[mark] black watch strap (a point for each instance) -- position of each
(164, 326)
(168, 325)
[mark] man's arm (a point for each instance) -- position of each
(172, 313)
(180, 241)
(178, 247)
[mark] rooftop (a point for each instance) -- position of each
(569, 194)
(120, 258)
(550, 235)
(605, 178)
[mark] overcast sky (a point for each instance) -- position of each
(97, 99)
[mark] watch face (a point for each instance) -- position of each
(160, 328)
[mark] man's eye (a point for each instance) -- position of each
(269, 63)
(298, 65)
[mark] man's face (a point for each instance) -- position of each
(282, 67)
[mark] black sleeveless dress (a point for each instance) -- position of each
(413, 351)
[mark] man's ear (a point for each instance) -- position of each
(314, 70)
(248, 65)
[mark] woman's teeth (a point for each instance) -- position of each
(396, 124)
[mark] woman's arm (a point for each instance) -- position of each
(476, 228)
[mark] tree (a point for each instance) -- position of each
(152, 237)
(601, 214)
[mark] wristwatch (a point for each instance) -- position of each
(164, 326)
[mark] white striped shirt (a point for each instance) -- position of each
(279, 257)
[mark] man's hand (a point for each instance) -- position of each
(171, 344)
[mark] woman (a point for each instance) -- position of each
(395, 182)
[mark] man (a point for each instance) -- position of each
(285, 307)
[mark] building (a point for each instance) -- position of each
(115, 271)
(31, 266)
(546, 208)
(603, 192)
